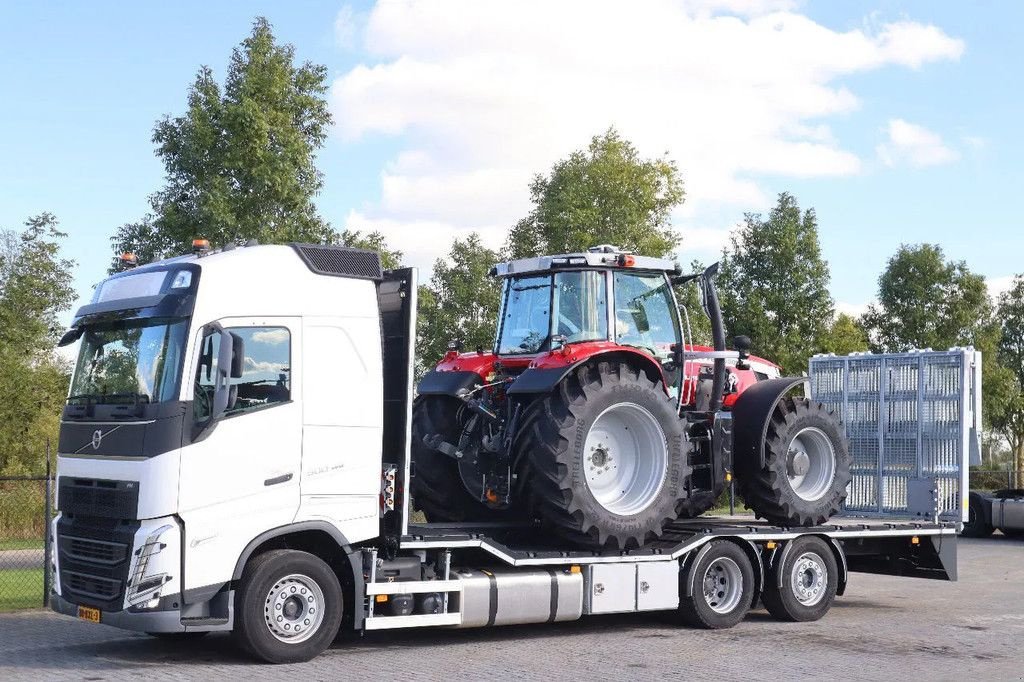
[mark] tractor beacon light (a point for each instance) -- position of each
(201, 246)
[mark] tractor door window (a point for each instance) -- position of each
(266, 371)
(580, 306)
(645, 316)
(526, 322)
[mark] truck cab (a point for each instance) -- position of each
(222, 401)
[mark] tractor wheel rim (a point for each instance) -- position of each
(294, 608)
(723, 585)
(625, 459)
(809, 579)
(811, 464)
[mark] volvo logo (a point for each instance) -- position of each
(97, 438)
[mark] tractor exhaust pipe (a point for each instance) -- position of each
(714, 311)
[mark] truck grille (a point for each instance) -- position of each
(93, 558)
(98, 497)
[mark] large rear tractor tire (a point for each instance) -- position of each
(806, 470)
(437, 488)
(603, 459)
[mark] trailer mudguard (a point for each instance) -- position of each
(752, 413)
(544, 379)
(447, 383)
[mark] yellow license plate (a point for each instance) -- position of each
(88, 613)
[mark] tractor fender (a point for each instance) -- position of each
(549, 373)
(447, 383)
(752, 413)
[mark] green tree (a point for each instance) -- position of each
(606, 194)
(35, 287)
(845, 336)
(460, 303)
(240, 162)
(774, 284)
(1005, 382)
(925, 301)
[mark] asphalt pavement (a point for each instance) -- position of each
(884, 628)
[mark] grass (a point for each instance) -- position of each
(21, 588)
(31, 543)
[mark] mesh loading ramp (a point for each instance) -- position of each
(914, 424)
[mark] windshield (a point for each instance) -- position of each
(133, 361)
(576, 307)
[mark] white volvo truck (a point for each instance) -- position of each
(234, 456)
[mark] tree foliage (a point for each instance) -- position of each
(460, 303)
(844, 336)
(606, 194)
(774, 284)
(1006, 381)
(35, 287)
(925, 301)
(240, 162)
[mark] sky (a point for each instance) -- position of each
(898, 121)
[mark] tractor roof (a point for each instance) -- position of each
(599, 257)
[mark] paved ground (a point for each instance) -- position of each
(885, 628)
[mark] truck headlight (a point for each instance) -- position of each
(142, 584)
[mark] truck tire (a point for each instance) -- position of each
(977, 525)
(806, 469)
(437, 487)
(1012, 532)
(809, 577)
(288, 607)
(717, 589)
(604, 457)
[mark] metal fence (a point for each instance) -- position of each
(25, 510)
(995, 479)
(913, 421)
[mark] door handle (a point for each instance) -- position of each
(284, 478)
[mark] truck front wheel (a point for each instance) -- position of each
(803, 586)
(288, 607)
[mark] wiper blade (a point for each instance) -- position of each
(110, 398)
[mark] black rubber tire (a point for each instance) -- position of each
(767, 491)
(781, 602)
(549, 457)
(437, 488)
(1012, 532)
(179, 636)
(976, 525)
(251, 631)
(694, 608)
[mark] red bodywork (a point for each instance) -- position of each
(482, 363)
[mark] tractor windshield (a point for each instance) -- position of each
(569, 305)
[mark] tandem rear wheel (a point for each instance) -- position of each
(803, 584)
(717, 588)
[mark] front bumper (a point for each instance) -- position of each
(140, 621)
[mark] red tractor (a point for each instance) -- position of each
(593, 416)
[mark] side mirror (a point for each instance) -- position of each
(742, 345)
(222, 375)
(70, 336)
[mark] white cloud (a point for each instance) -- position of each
(854, 310)
(346, 27)
(263, 366)
(998, 285)
(271, 337)
(481, 96)
(913, 145)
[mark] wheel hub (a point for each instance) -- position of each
(723, 585)
(293, 609)
(625, 459)
(811, 464)
(809, 579)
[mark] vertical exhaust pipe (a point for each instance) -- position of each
(714, 311)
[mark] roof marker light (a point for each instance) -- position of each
(128, 260)
(627, 260)
(200, 246)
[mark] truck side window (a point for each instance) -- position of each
(266, 371)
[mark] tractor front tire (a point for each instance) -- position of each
(437, 488)
(603, 458)
(806, 466)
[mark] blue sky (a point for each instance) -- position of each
(897, 121)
